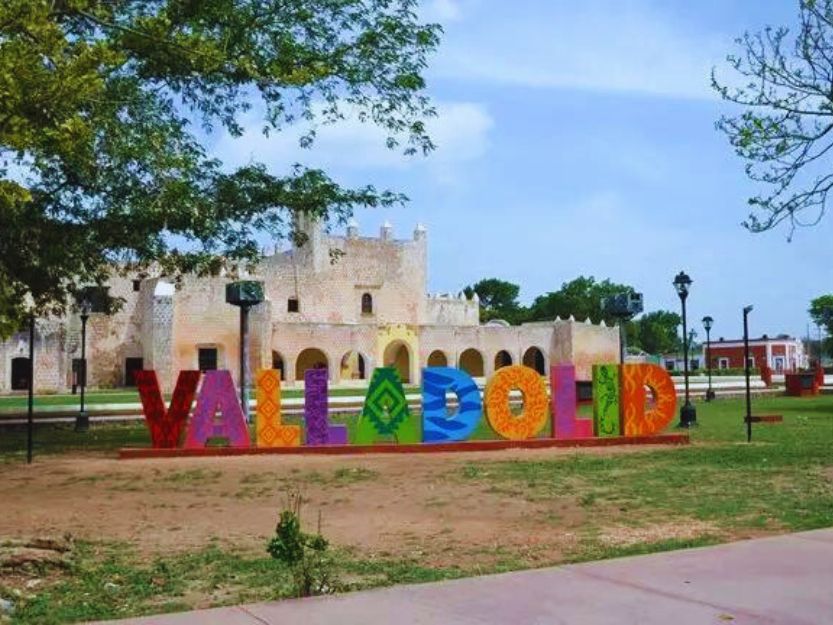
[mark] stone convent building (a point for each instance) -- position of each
(365, 309)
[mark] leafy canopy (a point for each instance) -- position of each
(581, 297)
(784, 133)
(101, 162)
(657, 332)
(821, 312)
(498, 299)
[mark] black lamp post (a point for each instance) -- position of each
(30, 413)
(245, 294)
(707, 324)
(688, 414)
(747, 370)
(82, 421)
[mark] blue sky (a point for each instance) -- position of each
(578, 138)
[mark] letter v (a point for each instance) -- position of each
(166, 426)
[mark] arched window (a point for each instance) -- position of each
(534, 359)
(277, 363)
(367, 304)
(310, 358)
(437, 359)
(471, 361)
(353, 366)
(503, 359)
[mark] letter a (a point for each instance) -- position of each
(166, 425)
(217, 393)
(385, 411)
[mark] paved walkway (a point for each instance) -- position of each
(787, 580)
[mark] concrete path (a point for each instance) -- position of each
(787, 580)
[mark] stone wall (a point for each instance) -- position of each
(49, 356)
(448, 310)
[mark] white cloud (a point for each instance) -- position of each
(606, 46)
(460, 132)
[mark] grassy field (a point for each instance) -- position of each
(598, 505)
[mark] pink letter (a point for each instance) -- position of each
(565, 422)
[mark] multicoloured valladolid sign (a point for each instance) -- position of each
(619, 407)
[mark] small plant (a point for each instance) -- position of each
(306, 555)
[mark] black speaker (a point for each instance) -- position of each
(244, 293)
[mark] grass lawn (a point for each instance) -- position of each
(611, 503)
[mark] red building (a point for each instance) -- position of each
(782, 353)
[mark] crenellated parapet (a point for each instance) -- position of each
(450, 309)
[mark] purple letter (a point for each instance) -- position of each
(319, 430)
(217, 393)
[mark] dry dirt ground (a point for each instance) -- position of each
(385, 505)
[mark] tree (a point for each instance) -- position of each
(100, 164)
(498, 299)
(821, 312)
(657, 332)
(581, 298)
(784, 133)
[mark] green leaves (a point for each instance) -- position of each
(99, 164)
(498, 299)
(581, 297)
(821, 312)
(658, 332)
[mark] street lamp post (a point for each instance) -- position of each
(245, 294)
(707, 324)
(746, 311)
(688, 414)
(82, 421)
(30, 403)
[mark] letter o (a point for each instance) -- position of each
(534, 415)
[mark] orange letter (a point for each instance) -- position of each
(637, 421)
(270, 432)
(500, 417)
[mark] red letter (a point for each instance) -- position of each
(166, 425)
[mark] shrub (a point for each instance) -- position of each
(306, 555)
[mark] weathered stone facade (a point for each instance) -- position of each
(347, 303)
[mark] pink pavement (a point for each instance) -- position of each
(784, 580)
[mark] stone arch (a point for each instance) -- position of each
(279, 364)
(310, 358)
(471, 361)
(398, 355)
(353, 366)
(437, 358)
(534, 359)
(20, 374)
(502, 359)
